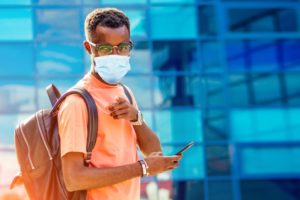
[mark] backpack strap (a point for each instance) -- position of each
(127, 93)
(92, 117)
(53, 93)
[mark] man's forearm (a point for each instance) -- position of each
(85, 178)
(147, 139)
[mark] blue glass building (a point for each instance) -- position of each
(223, 73)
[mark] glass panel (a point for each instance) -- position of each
(279, 160)
(59, 59)
(114, 1)
(178, 126)
(188, 190)
(14, 20)
(284, 1)
(270, 189)
(213, 88)
(263, 20)
(293, 83)
(8, 123)
(177, 91)
(240, 91)
(141, 86)
(207, 19)
(165, 56)
(62, 85)
(291, 54)
(17, 96)
(220, 190)
(218, 161)
(215, 125)
(211, 56)
(49, 27)
(137, 19)
(172, 1)
(191, 164)
(140, 59)
(56, 2)
(23, 65)
(15, 2)
(176, 27)
(254, 125)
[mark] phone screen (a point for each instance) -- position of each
(189, 145)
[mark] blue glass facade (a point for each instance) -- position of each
(224, 73)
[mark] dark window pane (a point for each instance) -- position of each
(270, 189)
(50, 28)
(165, 56)
(220, 190)
(291, 54)
(59, 59)
(218, 160)
(254, 125)
(171, 22)
(23, 65)
(207, 20)
(263, 20)
(191, 190)
(215, 124)
(178, 126)
(17, 96)
(14, 20)
(191, 165)
(177, 91)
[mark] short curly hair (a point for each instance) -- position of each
(107, 17)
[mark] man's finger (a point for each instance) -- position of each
(119, 112)
(120, 106)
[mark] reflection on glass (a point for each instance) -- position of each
(211, 56)
(165, 56)
(14, 20)
(215, 124)
(178, 126)
(218, 159)
(59, 59)
(221, 189)
(171, 22)
(141, 86)
(49, 27)
(266, 160)
(177, 91)
(15, 2)
(191, 164)
(62, 85)
(140, 58)
(172, 1)
(8, 123)
(114, 2)
(17, 96)
(265, 124)
(263, 20)
(56, 2)
(23, 65)
(207, 20)
(213, 88)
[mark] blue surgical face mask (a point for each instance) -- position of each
(112, 68)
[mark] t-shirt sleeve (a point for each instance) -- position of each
(72, 125)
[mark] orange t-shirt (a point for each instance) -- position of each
(116, 143)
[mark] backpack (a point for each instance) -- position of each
(38, 148)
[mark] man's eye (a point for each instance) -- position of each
(104, 48)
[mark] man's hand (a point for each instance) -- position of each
(122, 109)
(158, 163)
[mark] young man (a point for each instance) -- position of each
(114, 172)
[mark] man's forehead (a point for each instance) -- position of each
(113, 36)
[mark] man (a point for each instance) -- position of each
(114, 172)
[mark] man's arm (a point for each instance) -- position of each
(147, 139)
(79, 177)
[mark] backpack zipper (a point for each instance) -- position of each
(28, 147)
(43, 138)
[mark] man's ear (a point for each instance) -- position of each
(87, 47)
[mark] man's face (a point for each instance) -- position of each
(107, 36)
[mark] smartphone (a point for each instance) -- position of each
(189, 145)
